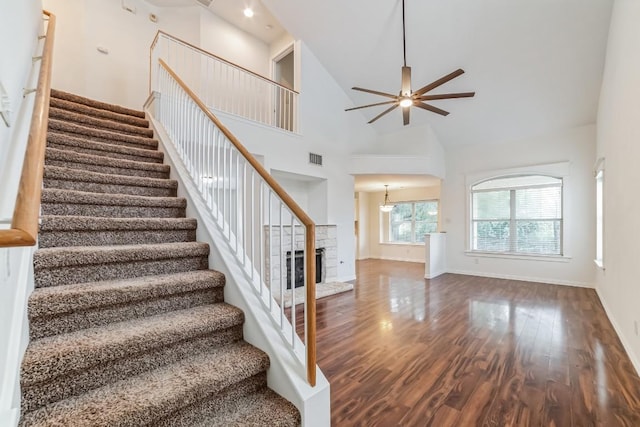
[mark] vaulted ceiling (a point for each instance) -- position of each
(536, 65)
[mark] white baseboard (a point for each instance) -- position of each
(625, 343)
(523, 278)
(421, 261)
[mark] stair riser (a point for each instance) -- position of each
(100, 124)
(68, 385)
(104, 153)
(40, 327)
(112, 211)
(94, 187)
(57, 239)
(122, 270)
(108, 169)
(206, 409)
(99, 113)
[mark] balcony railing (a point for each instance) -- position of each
(225, 86)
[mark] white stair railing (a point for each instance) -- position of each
(225, 86)
(263, 226)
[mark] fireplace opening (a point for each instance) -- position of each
(299, 267)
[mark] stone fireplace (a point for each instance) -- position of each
(326, 255)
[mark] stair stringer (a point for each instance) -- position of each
(285, 376)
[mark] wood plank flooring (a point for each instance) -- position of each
(468, 351)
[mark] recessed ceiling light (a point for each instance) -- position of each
(248, 12)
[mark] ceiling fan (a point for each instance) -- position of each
(406, 98)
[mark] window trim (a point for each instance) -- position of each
(558, 170)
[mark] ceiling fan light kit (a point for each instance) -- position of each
(406, 98)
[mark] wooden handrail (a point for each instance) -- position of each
(24, 224)
(307, 222)
(155, 40)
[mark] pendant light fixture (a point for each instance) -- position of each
(388, 206)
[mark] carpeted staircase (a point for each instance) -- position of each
(128, 326)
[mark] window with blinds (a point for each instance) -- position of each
(410, 221)
(517, 214)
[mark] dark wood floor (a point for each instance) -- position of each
(469, 351)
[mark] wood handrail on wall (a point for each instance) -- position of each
(204, 52)
(306, 221)
(24, 224)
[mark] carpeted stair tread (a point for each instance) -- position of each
(96, 182)
(258, 409)
(69, 142)
(70, 230)
(79, 203)
(54, 195)
(78, 264)
(154, 395)
(96, 104)
(59, 355)
(84, 255)
(102, 164)
(101, 135)
(83, 223)
(94, 122)
(57, 300)
(98, 112)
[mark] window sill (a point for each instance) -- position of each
(402, 243)
(548, 258)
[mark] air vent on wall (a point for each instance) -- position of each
(205, 3)
(315, 159)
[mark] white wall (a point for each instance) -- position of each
(20, 25)
(618, 137)
(576, 146)
(377, 224)
(227, 41)
(121, 77)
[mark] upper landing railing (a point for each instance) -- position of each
(24, 224)
(225, 86)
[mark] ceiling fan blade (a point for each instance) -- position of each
(406, 81)
(375, 92)
(370, 105)
(405, 115)
(446, 96)
(388, 110)
(439, 82)
(431, 108)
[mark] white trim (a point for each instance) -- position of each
(387, 258)
(599, 264)
(524, 278)
(403, 244)
(526, 257)
(625, 343)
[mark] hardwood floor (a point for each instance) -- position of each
(468, 351)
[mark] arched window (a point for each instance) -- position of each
(517, 214)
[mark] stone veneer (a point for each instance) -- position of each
(326, 237)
